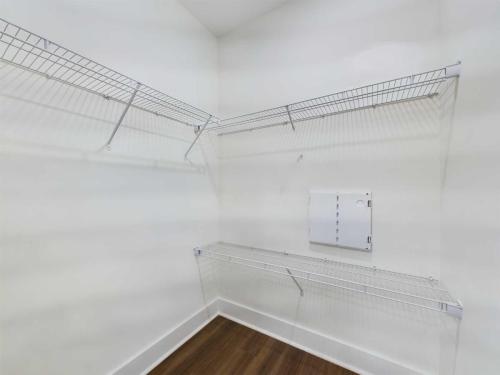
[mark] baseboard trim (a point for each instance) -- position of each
(146, 360)
(344, 354)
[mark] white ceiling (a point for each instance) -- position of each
(222, 16)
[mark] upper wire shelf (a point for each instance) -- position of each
(412, 87)
(422, 292)
(32, 52)
(35, 53)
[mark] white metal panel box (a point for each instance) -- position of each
(341, 219)
(322, 218)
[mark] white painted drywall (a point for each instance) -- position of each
(109, 290)
(471, 209)
(96, 260)
(222, 16)
(306, 49)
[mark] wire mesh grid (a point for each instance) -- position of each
(417, 86)
(57, 65)
(32, 52)
(208, 272)
(255, 287)
(49, 116)
(411, 290)
(389, 326)
(369, 321)
(36, 111)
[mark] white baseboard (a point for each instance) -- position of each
(344, 354)
(144, 361)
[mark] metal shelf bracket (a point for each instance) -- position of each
(454, 70)
(290, 117)
(394, 287)
(122, 117)
(197, 251)
(29, 51)
(198, 134)
(296, 282)
(455, 310)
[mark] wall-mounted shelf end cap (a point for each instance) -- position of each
(455, 310)
(454, 70)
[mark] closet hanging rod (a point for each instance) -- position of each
(408, 88)
(29, 51)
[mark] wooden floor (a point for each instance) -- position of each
(225, 347)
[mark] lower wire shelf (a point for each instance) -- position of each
(417, 291)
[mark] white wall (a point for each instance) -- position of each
(471, 226)
(306, 49)
(310, 48)
(96, 260)
(316, 47)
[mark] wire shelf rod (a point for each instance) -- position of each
(93, 92)
(371, 273)
(277, 254)
(411, 87)
(32, 52)
(362, 285)
(115, 99)
(293, 111)
(314, 117)
(441, 307)
(440, 71)
(283, 111)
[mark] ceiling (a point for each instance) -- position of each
(223, 16)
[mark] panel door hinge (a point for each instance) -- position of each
(369, 239)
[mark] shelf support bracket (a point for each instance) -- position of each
(453, 70)
(197, 251)
(122, 117)
(455, 310)
(198, 134)
(290, 117)
(296, 282)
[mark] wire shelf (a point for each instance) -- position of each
(29, 51)
(422, 292)
(35, 53)
(417, 86)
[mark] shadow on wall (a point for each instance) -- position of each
(46, 117)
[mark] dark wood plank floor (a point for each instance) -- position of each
(225, 347)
